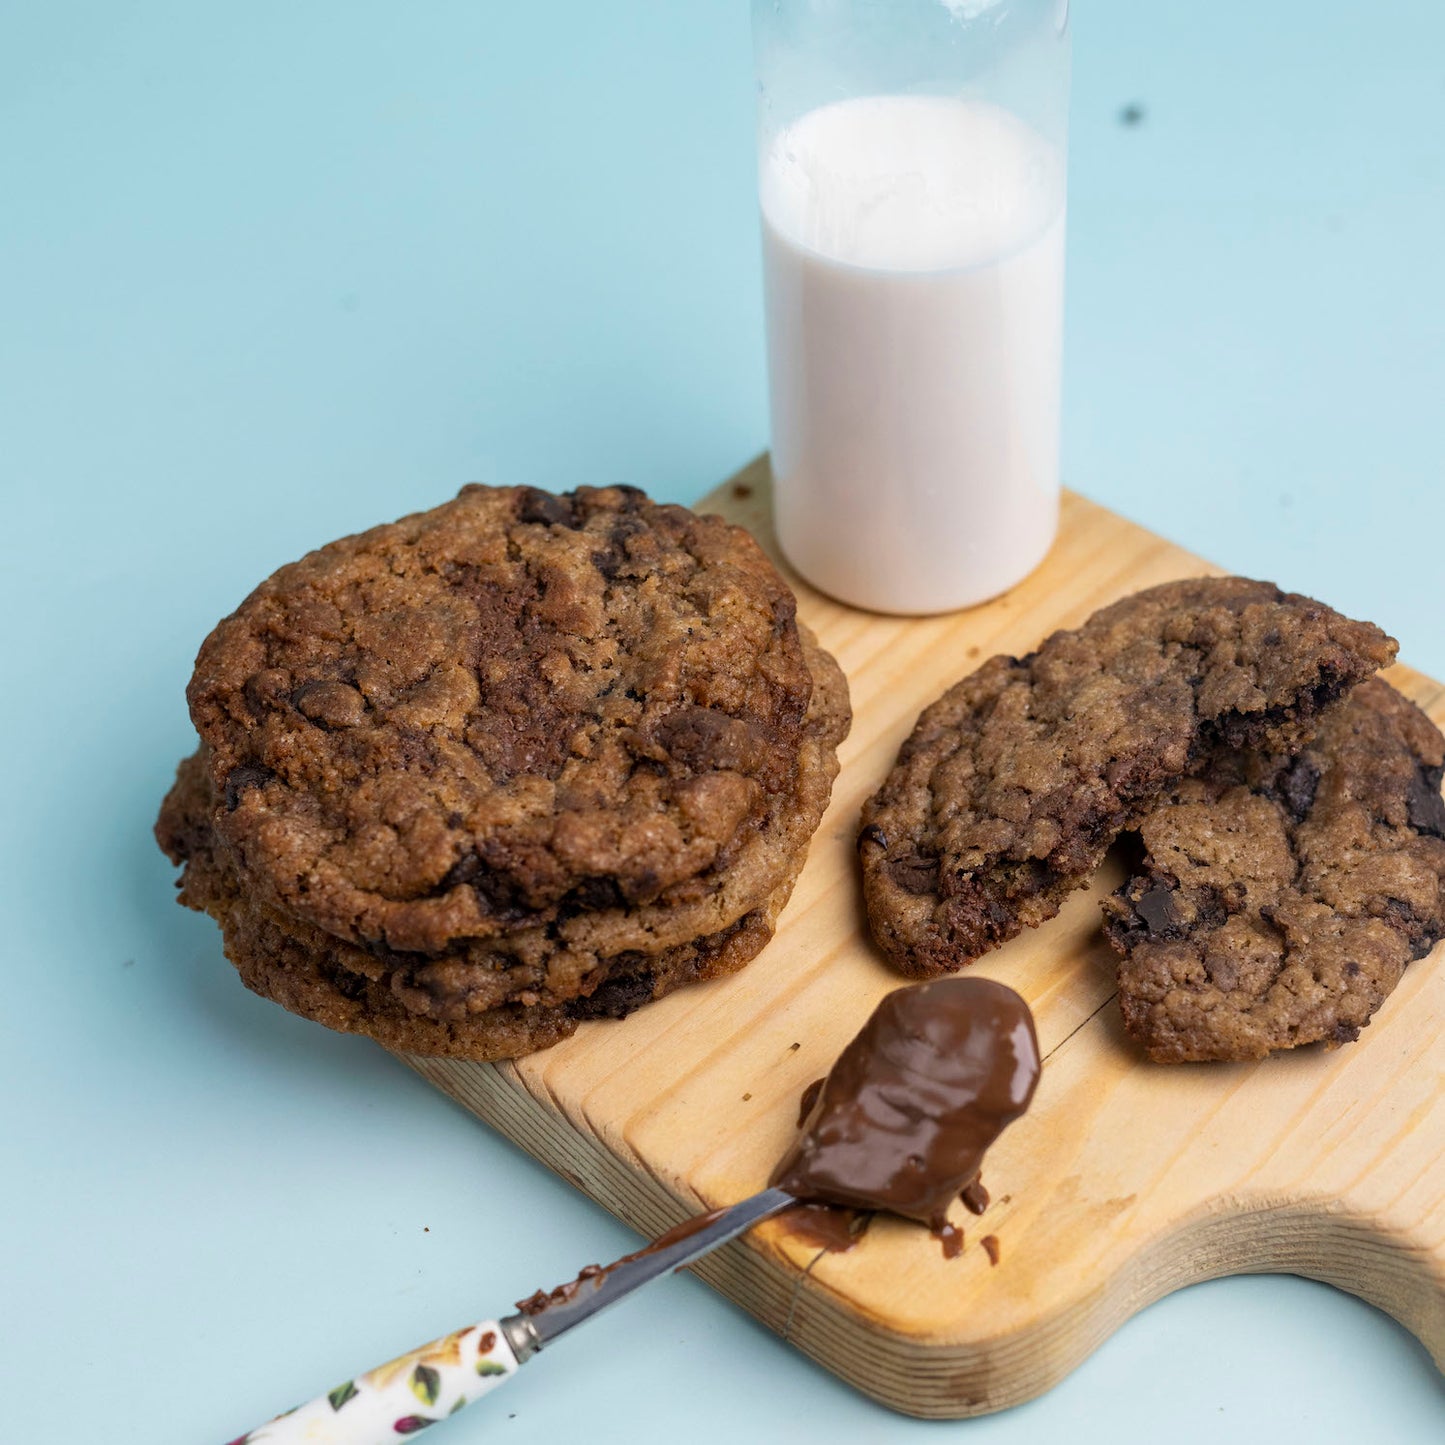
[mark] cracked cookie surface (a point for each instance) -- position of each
(1012, 785)
(1280, 899)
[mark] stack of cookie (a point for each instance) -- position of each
(1289, 830)
(523, 760)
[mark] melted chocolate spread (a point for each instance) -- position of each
(900, 1124)
(905, 1115)
(810, 1097)
(825, 1226)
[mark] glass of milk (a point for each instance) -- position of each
(912, 184)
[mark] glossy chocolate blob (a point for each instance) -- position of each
(908, 1110)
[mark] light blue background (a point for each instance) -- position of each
(273, 272)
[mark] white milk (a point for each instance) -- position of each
(913, 253)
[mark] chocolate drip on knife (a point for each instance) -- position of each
(901, 1123)
(907, 1112)
(594, 1274)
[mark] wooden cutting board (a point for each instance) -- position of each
(1126, 1179)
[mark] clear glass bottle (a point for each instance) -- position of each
(911, 160)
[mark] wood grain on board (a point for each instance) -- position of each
(1126, 1179)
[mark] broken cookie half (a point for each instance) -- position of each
(1014, 783)
(1279, 899)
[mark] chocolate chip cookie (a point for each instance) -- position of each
(511, 708)
(1278, 900)
(1014, 783)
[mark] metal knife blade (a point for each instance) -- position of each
(573, 1304)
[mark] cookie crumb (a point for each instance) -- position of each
(793, 1048)
(990, 1248)
(742, 489)
(746, 1097)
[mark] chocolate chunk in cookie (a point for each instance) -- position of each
(1279, 900)
(1012, 786)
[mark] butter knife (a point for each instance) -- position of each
(418, 1389)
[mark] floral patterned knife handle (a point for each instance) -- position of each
(425, 1386)
(399, 1398)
